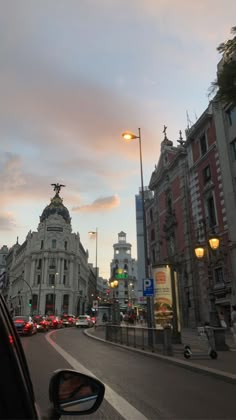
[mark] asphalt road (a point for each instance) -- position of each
(156, 389)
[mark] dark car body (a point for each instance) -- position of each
(25, 325)
(42, 323)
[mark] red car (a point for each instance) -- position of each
(54, 321)
(25, 325)
(42, 323)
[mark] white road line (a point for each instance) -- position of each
(124, 408)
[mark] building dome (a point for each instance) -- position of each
(56, 207)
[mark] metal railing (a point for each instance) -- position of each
(139, 337)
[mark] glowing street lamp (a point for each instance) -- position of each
(129, 136)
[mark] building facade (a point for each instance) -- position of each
(209, 217)
(169, 226)
(49, 272)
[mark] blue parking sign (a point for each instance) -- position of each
(148, 287)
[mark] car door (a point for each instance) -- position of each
(17, 396)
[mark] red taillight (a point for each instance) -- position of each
(19, 321)
(11, 341)
(54, 322)
(28, 325)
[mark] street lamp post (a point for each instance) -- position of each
(129, 136)
(54, 293)
(212, 244)
(95, 233)
(115, 306)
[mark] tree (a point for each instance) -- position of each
(225, 84)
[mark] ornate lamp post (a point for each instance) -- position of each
(207, 250)
(115, 306)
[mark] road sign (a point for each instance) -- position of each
(95, 304)
(148, 287)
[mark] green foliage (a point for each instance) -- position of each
(225, 84)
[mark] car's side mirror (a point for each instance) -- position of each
(74, 393)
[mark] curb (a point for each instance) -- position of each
(219, 374)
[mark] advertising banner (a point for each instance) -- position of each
(163, 305)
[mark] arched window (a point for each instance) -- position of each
(65, 304)
(49, 305)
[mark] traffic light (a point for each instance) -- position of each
(30, 302)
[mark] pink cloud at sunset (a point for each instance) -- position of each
(100, 205)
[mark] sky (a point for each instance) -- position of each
(74, 75)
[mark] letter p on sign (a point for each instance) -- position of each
(148, 289)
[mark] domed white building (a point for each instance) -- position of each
(49, 272)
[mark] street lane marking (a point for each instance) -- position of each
(124, 408)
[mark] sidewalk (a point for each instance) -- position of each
(225, 362)
(224, 367)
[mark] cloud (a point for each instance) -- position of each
(7, 221)
(101, 204)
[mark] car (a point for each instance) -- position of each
(17, 400)
(25, 325)
(42, 323)
(68, 320)
(54, 321)
(84, 321)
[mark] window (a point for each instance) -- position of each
(65, 265)
(211, 211)
(233, 148)
(64, 279)
(39, 266)
(52, 263)
(38, 279)
(51, 279)
(219, 275)
(203, 144)
(65, 304)
(65, 245)
(231, 114)
(126, 293)
(153, 256)
(35, 301)
(126, 268)
(54, 243)
(206, 174)
(151, 215)
(152, 235)
(41, 246)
